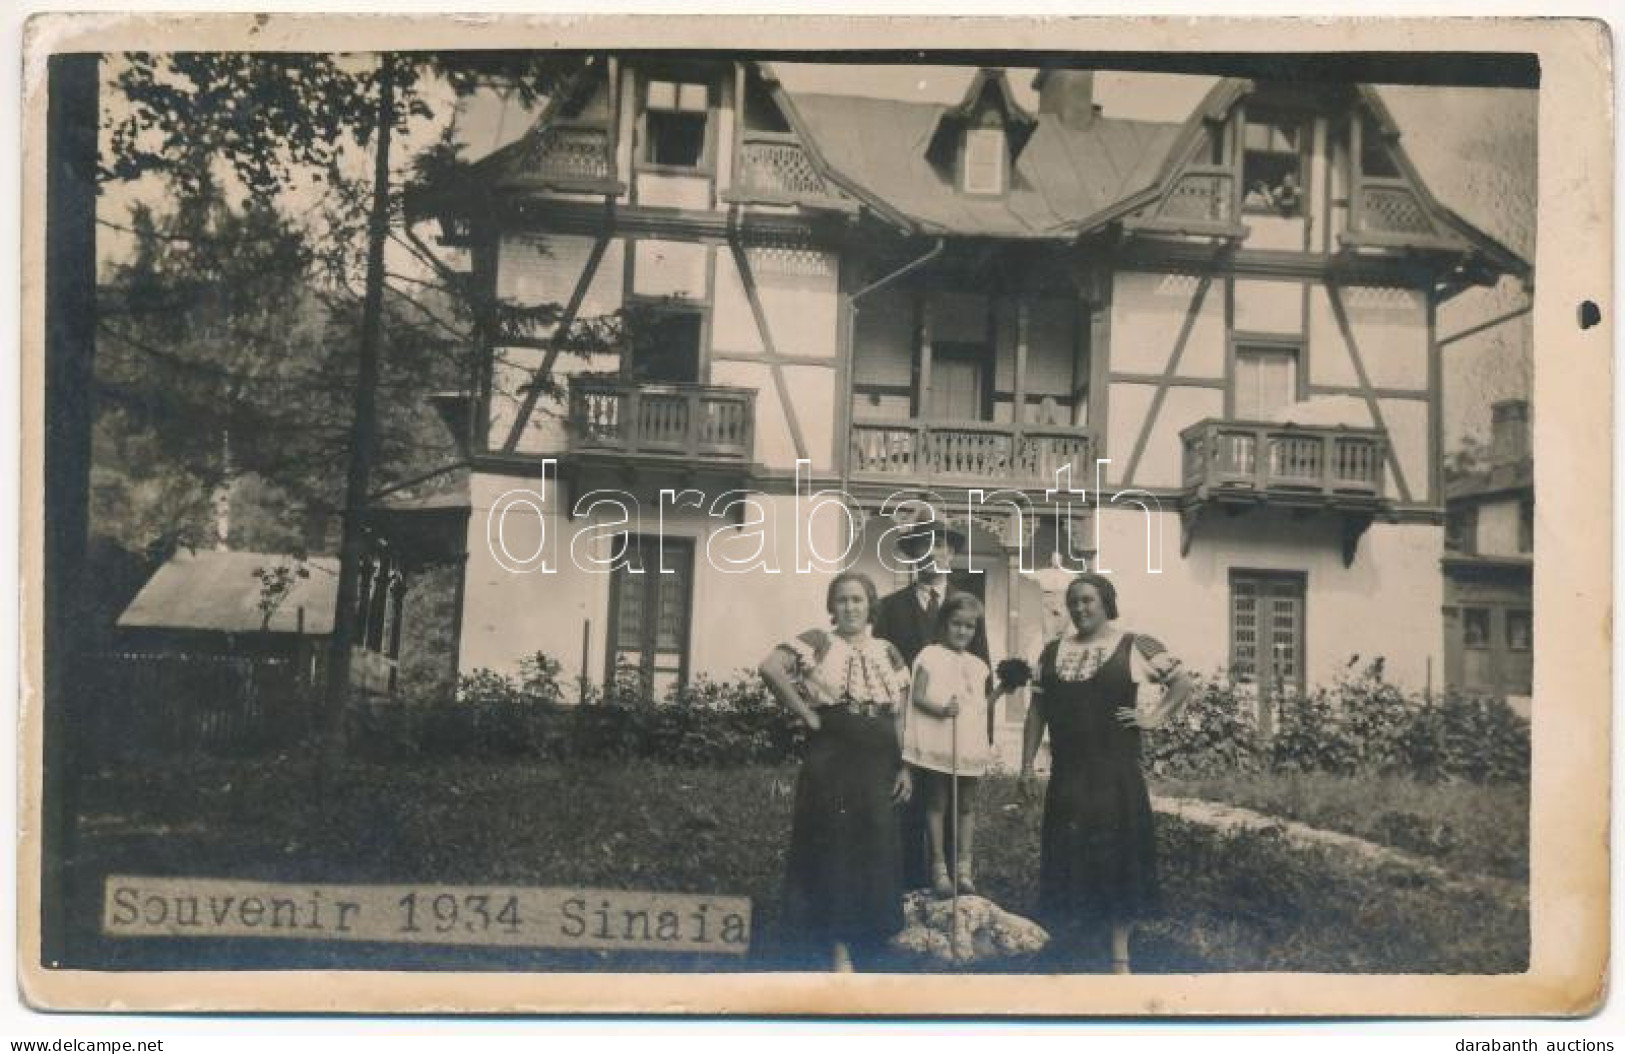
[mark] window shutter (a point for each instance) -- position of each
(984, 161)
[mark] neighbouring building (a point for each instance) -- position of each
(1236, 313)
(1489, 565)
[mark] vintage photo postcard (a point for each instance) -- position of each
(725, 515)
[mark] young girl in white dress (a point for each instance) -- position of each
(945, 736)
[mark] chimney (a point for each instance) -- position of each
(1509, 431)
(1069, 95)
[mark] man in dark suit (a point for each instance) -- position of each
(908, 619)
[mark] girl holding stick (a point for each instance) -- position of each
(945, 738)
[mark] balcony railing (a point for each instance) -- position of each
(1250, 458)
(968, 452)
(680, 421)
(774, 165)
(575, 152)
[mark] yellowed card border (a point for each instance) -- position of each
(1573, 384)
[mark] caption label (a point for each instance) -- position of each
(426, 914)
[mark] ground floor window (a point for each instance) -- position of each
(650, 611)
(1266, 630)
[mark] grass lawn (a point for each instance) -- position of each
(1468, 828)
(1245, 901)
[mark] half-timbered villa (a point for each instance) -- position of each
(1231, 320)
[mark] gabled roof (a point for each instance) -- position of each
(880, 145)
(216, 591)
(1065, 182)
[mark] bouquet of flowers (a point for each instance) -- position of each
(1014, 673)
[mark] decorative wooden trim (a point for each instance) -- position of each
(1099, 316)
(905, 390)
(739, 126)
(1018, 412)
(845, 338)
(709, 308)
(1327, 183)
(781, 359)
(747, 279)
(1366, 390)
(566, 320)
(1306, 361)
(1156, 378)
(1435, 397)
(1162, 256)
(1359, 393)
(1191, 315)
(554, 216)
(1229, 345)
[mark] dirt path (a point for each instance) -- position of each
(1229, 818)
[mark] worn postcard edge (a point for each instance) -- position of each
(1572, 583)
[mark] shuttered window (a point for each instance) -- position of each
(650, 613)
(985, 158)
(1266, 629)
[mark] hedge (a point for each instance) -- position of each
(1358, 724)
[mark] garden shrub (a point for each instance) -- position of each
(1359, 724)
(1218, 731)
(707, 722)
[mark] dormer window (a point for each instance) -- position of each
(1272, 163)
(985, 159)
(676, 117)
(975, 143)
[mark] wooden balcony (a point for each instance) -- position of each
(678, 422)
(967, 453)
(1245, 463)
(773, 168)
(570, 153)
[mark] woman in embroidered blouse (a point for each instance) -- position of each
(1097, 864)
(844, 882)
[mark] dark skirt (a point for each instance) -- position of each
(1099, 859)
(844, 873)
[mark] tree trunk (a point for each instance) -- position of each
(362, 435)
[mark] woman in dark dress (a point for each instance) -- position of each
(844, 878)
(1097, 867)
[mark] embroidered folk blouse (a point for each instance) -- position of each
(833, 669)
(1079, 660)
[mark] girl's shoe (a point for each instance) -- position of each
(941, 884)
(1120, 966)
(966, 886)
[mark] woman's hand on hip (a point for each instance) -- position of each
(1129, 717)
(1027, 787)
(902, 787)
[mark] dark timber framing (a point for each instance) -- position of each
(533, 391)
(1166, 381)
(748, 280)
(1334, 294)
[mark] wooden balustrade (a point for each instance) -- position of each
(916, 451)
(662, 419)
(776, 165)
(1287, 459)
(575, 151)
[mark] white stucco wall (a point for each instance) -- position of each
(737, 618)
(1387, 603)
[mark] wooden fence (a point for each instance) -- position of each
(159, 703)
